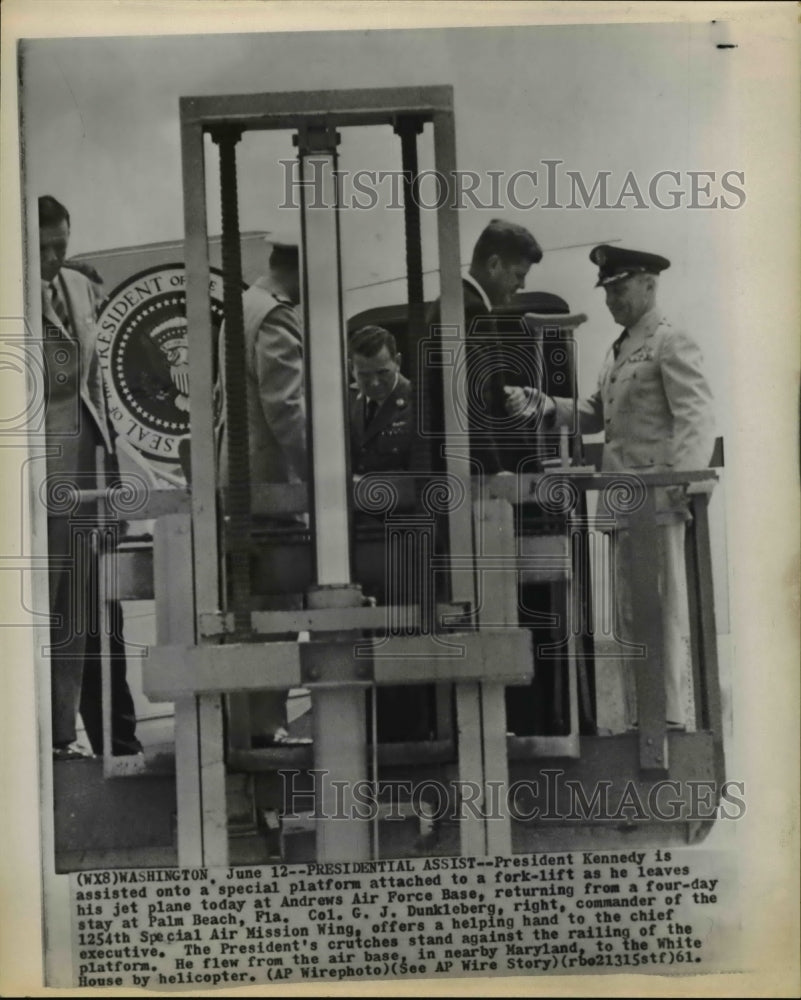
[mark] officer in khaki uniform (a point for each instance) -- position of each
(654, 406)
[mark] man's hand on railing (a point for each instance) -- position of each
(676, 496)
(702, 486)
(523, 401)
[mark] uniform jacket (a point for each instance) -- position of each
(386, 445)
(276, 404)
(76, 415)
(653, 402)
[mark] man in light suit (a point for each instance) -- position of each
(77, 426)
(654, 406)
(276, 403)
(276, 417)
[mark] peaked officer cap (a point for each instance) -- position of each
(616, 263)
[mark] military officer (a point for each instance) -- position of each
(381, 404)
(382, 428)
(654, 406)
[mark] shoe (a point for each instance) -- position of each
(71, 751)
(283, 738)
(280, 738)
(122, 748)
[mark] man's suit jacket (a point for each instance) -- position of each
(276, 405)
(483, 395)
(76, 416)
(653, 403)
(385, 445)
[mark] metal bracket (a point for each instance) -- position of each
(333, 664)
(316, 137)
(407, 124)
(225, 133)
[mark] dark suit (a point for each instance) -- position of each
(500, 351)
(484, 395)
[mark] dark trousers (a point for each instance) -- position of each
(69, 569)
(123, 714)
(75, 643)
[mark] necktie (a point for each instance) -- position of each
(370, 411)
(59, 306)
(618, 344)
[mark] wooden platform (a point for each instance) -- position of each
(131, 821)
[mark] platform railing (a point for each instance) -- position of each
(496, 651)
(629, 502)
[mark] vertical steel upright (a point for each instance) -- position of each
(339, 721)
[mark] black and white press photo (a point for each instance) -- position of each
(382, 417)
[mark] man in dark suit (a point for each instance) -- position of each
(502, 258)
(78, 430)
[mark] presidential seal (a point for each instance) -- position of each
(143, 351)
